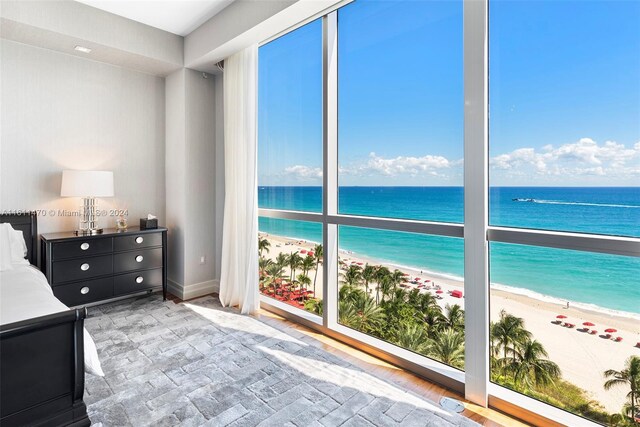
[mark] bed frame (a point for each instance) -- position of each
(42, 359)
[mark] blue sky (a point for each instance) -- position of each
(564, 95)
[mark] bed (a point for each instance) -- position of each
(42, 345)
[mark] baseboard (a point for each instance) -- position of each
(194, 290)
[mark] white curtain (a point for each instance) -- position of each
(239, 273)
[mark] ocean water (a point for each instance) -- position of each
(602, 281)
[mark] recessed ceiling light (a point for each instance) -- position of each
(83, 49)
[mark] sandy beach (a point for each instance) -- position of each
(582, 357)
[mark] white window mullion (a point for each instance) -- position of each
(476, 265)
(330, 167)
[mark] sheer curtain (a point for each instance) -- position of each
(239, 269)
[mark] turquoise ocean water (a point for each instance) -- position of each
(592, 280)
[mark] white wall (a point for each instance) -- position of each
(175, 174)
(191, 174)
(63, 112)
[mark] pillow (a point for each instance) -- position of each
(18, 247)
(5, 248)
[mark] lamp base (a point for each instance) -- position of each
(88, 232)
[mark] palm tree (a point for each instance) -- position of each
(263, 263)
(368, 275)
(352, 275)
(385, 286)
(628, 377)
(263, 245)
(294, 261)
(507, 332)
(307, 264)
(275, 273)
(318, 253)
(413, 337)
(448, 347)
(396, 278)
(454, 317)
(304, 280)
(282, 260)
(358, 311)
(381, 275)
(530, 366)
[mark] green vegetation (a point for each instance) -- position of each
(374, 300)
(629, 377)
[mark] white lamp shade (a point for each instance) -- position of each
(87, 184)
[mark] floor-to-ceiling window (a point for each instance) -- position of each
(565, 156)
(290, 166)
(365, 116)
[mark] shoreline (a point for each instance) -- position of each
(458, 281)
(582, 357)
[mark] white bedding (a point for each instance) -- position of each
(25, 294)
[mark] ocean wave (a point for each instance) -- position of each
(562, 302)
(560, 202)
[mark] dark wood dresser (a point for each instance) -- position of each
(91, 269)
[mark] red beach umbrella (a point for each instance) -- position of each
(303, 251)
(439, 291)
(310, 253)
(561, 316)
(588, 324)
(610, 330)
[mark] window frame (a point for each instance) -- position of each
(474, 382)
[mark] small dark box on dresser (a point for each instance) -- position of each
(91, 269)
(148, 224)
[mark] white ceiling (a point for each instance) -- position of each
(175, 16)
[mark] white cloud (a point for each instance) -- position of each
(584, 162)
(303, 173)
(584, 157)
(396, 166)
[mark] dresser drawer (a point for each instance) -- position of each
(139, 281)
(137, 260)
(81, 268)
(82, 248)
(135, 241)
(85, 292)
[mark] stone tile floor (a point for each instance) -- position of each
(197, 363)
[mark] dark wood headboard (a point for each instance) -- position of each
(27, 223)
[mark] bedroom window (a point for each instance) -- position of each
(563, 157)
(396, 95)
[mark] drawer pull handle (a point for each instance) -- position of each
(139, 239)
(139, 279)
(139, 258)
(84, 290)
(84, 267)
(84, 246)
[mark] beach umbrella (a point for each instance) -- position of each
(310, 253)
(561, 316)
(588, 324)
(417, 278)
(439, 291)
(610, 330)
(303, 251)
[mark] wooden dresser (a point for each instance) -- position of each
(91, 269)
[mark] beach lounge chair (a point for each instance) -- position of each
(593, 332)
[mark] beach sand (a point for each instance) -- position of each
(582, 357)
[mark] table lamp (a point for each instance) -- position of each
(88, 185)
